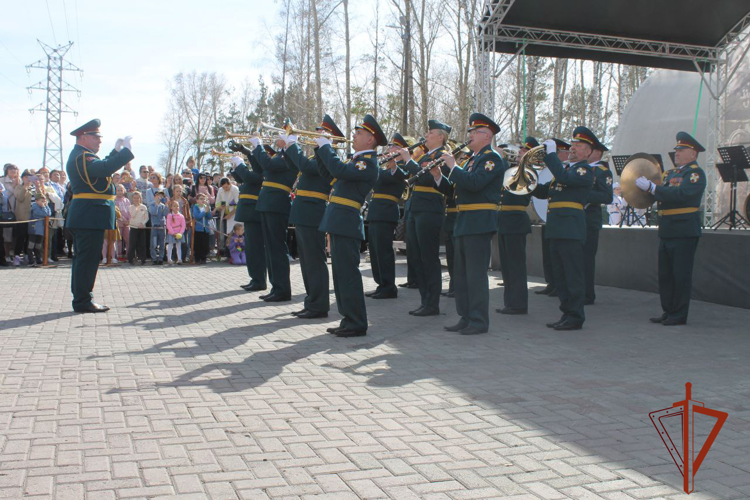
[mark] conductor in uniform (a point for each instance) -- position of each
(343, 221)
(566, 224)
(477, 193)
(679, 199)
(92, 208)
(250, 181)
(383, 215)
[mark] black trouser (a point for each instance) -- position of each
(88, 244)
(473, 253)
(412, 256)
(311, 247)
(450, 257)
(589, 255)
(676, 257)
(277, 254)
(382, 256)
(2, 245)
(201, 245)
(137, 244)
(424, 237)
(21, 237)
(513, 265)
(567, 264)
(347, 282)
(255, 253)
(549, 276)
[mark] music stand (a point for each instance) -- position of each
(657, 156)
(736, 159)
(629, 216)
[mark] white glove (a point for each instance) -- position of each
(236, 161)
(290, 139)
(126, 142)
(322, 141)
(282, 136)
(550, 146)
(255, 141)
(645, 184)
(118, 145)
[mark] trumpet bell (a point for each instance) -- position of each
(520, 185)
(640, 164)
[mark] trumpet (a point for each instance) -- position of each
(523, 179)
(222, 154)
(392, 156)
(288, 129)
(243, 138)
(434, 163)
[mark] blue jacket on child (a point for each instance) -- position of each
(38, 212)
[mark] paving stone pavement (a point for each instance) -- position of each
(193, 388)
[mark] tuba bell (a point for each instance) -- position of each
(523, 179)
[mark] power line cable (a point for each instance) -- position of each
(49, 15)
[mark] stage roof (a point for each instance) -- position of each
(656, 33)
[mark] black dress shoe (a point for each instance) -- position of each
(92, 308)
(544, 291)
(348, 332)
(472, 330)
(416, 310)
(404, 285)
(297, 313)
(278, 298)
(427, 311)
(567, 326)
(457, 327)
(385, 295)
(508, 310)
(245, 287)
(673, 322)
(255, 288)
(312, 315)
(370, 294)
(658, 319)
(264, 297)
(334, 329)
(556, 323)
(553, 293)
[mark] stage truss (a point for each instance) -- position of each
(717, 65)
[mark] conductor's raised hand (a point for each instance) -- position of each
(126, 142)
(118, 144)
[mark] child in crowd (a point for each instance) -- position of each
(175, 230)
(111, 237)
(237, 245)
(138, 229)
(201, 215)
(158, 211)
(122, 202)
(39, 210)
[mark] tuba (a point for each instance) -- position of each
(523, 179)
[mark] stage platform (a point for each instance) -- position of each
(628, 258)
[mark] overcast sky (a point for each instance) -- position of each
(128, 51)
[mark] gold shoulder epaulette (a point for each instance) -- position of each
(367, 156)
(603, 168)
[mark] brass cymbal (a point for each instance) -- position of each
(640, 164)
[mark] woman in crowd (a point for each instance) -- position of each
(10, 180)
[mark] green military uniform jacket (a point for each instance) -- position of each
(354, 180)
(311, 195)
(278, 179)
(386, 194)
(679, 199)
(513, 218)
(600, 194)
(426, 194)
(90, 177)
(249, 182)
(568, 192)
(477, 192)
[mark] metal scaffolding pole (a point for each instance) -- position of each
(54, 106)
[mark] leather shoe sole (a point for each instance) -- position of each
(508, 310)
(544, 291)
(92, 308)
(278, 298)
(264, 297)
(455, 328)
(404, 285)
(566, 326)
(312, 315)
(370, 294)
(427, 311)
(673, 322)
(346, 332)
(470, 330)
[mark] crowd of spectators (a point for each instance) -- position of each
(172, 219)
